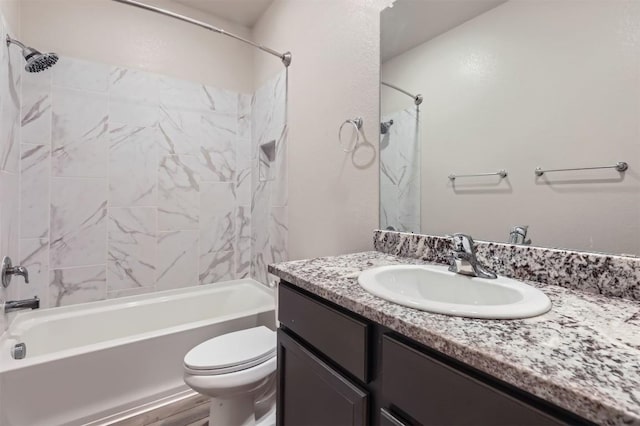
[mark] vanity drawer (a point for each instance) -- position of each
(434, 393)
(338, 336)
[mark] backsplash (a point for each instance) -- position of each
(134, 182)
(608, 275)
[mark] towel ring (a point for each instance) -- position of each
(357, 125)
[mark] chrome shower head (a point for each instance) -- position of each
(36, 61)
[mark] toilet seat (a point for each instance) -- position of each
(232, 352)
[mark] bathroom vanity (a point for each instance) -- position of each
(347, 357)
(357, 372)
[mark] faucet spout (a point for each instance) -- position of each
(464, 261)
(17, 305)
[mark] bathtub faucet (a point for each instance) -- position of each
(16, 305)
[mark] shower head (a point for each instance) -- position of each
(384, 127)
(36, 61)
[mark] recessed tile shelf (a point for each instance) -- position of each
(267, 160)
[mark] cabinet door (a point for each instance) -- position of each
(312, 393)
(436, 394)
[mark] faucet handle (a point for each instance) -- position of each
(21, 270)
(518, 235)
(8, 270)
(463, 242)
(522, 229)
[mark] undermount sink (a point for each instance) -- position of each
(433, 288)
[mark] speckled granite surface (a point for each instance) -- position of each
(583, 355)
(609, 275)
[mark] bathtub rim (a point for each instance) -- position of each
(145, 297)
(9, 338)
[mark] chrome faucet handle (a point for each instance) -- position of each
(520, 229)
(463, 243)
(8, 270)
(22, 271)
(518, 235)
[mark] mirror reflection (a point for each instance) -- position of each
(513, 121)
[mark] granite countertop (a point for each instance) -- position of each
(583, 355)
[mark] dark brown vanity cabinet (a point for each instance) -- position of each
(312, 393)
(337, 368)
(432, 392)
(312, 336)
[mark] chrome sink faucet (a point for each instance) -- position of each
(464, 260)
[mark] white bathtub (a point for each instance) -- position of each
(93, 363)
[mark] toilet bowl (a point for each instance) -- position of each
(237, 371)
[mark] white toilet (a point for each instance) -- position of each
(237, 370)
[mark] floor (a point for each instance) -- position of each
(192, 411)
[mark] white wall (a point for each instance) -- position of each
(527, 84)
(10, 9)
(333, 198)
(116, 34)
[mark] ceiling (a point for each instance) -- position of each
(243, 12)
(410, 23)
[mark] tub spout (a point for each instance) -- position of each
(16, 305)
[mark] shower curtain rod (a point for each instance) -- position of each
(416, 98)
(284, 57)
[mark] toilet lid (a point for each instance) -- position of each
(244, 348)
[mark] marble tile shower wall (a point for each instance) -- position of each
(269, 212)
(11, 64)
(400, 172)
(131, 182)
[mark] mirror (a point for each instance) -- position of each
(478, 94)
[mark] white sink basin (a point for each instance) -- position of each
(435, 289)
